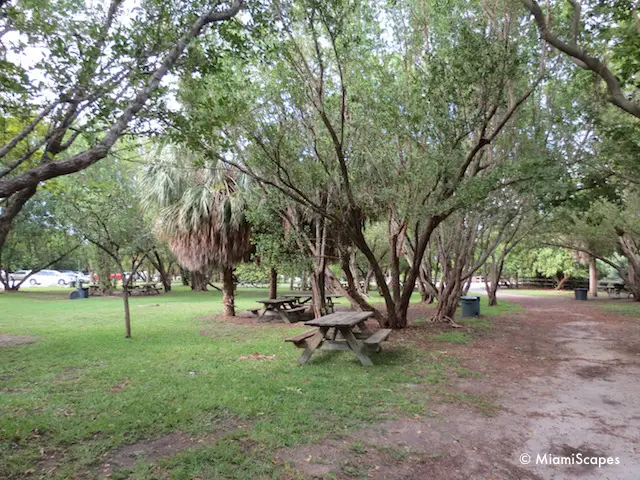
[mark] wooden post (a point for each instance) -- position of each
(593, 277)
(273, 283)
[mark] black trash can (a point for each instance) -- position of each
(580, 293)
(470, 306)
(79, 293)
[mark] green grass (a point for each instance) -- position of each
(623, 307)
(453, 336)
(81, 390)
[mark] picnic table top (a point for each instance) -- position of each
(340, 319)
(276, 301)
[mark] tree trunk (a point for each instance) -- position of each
(11, 208)
(448, 300)
(164, 276)
(228, 298)
(125, 299)
(291, 283)
(199, 281)
(629, 249)
(562, 281)
(467, 285)
(593, 277)
(354, 272)
(184, 275)
(367, 281)
(491, 284)
(273, 283)
(352, 294)
(318, 290)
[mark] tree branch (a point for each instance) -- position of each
(585, 61)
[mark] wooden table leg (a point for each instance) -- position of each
(283, 315)
(264, 310)
(356, 346)
(312, 344)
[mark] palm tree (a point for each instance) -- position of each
(199, 211)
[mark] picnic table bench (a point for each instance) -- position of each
(306, 297)
(341, 331)
(285, 307)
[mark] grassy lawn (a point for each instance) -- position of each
(624, 307)
(81, 390)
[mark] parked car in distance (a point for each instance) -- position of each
(70, 277)
(19, 275)
(47, 277)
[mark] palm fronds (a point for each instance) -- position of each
(198, 208)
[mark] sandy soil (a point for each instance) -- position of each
(565, 375)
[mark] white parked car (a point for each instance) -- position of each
(47, 277)
(19, 275)
(71, 277)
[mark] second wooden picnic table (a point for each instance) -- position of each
(341, 331)
(306, 297)
(285, 307)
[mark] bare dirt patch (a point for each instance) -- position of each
(564, 374)
(11, 340)
(151, 450)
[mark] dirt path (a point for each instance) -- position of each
(565, 375)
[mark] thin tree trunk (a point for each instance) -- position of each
(367, 281)
(593, 277)
(562, 281)
(291, 283)
(318, 291)
(491, 285)
(228, 297)
(352, 294)
(125, 299)
(273, 283)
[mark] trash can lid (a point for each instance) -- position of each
(470, 298)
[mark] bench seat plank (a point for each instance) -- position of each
(301, 337)
(378, 336)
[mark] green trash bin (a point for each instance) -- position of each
(470, 306)
(580, 293)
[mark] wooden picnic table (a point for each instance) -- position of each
(148, 288)
(613, 287)
(341, 331)
(285, 307)
(306, 297)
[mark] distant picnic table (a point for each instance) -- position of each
(341, 331)
(306, 297)
(287, 308)
(613, 287)
(149, 288)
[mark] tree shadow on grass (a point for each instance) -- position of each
(394, 356)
